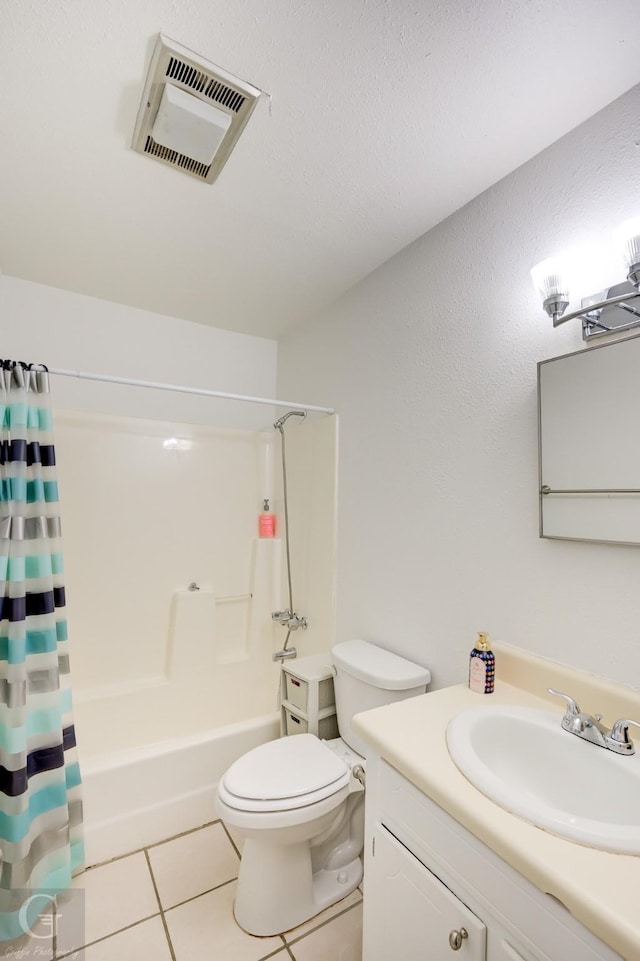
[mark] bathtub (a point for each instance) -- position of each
(151, 758)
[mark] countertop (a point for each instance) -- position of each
(600, 889)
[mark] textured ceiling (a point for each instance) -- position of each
(387, 115)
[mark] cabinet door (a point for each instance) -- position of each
(410, 914)
(502, 950)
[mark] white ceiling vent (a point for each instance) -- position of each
(192, 112)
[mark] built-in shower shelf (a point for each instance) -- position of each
(307, 697)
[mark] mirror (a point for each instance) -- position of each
(589, 444)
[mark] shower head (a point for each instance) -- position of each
(279, 424)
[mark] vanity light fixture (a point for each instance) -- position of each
(600, 313)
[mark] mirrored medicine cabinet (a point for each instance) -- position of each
(589, 444)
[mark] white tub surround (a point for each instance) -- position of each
(598, 888)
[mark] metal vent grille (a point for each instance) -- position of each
(173, 64)
(176, 159)
(205, 84)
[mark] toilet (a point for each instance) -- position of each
(298, 807)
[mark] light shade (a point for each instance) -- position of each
(627, 238)
(189, 126)
(550, 278)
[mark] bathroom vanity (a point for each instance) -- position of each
(428, 881)
(448, 871)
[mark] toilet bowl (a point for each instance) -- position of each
(294, 802)
(298, 807)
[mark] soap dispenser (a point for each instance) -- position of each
(482, 666)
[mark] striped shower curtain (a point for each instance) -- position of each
(40, 804)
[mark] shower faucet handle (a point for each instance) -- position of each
(296, 621)
(282, 617)
(290, 620)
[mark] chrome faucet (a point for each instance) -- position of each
(290, 620)
(590, 728)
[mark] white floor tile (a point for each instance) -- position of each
(339, 940)
(145, 940)
(354, 898)
(192, 864)
(115, 895)
(205, 930)
(37, 946)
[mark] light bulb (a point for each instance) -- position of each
(627, 239)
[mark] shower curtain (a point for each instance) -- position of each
(40, 804)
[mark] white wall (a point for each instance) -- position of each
(431, 364)
(66, 330)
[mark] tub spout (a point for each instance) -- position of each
(285, 654)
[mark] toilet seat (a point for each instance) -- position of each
(285, 774)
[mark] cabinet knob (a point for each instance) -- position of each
(456, 938)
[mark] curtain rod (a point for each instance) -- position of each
(83, 375)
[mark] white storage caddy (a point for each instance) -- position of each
(307, 697)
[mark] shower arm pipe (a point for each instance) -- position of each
(129, 382)
(280, 426)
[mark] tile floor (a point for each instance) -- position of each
(173, 902)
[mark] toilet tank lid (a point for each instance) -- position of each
(374, 665)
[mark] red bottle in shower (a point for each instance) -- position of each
(266, 521)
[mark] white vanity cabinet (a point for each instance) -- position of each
(413, 913)
(429, 882)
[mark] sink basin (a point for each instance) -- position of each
(522, 760)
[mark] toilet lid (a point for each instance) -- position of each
(287, 768)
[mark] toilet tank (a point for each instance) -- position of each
(367, 676)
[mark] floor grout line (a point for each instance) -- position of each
(231, 841)
(54, 931)
(273, 954)
(127, 927)
(183, 834)
(323, 924)
(147, 847)
(162, 917)
(194, 897)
